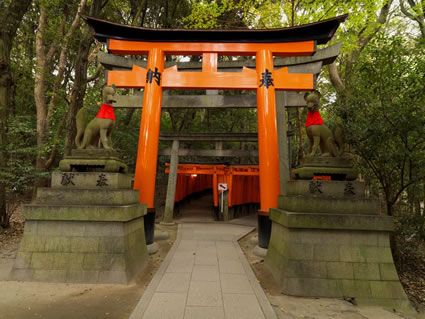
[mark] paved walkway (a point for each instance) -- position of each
(200, 210)
(205, 275)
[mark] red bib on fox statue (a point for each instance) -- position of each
(313, 118)
(106, 111)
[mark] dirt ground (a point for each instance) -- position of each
(288, 307)
(70, 301)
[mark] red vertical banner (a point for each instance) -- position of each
(267, 132)
(147, 152)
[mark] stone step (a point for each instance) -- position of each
(332, 221)
(90, 180)
(62, 196)
(83, 212)
(308, 204)
(322, 188)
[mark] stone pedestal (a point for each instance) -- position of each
(88, 227)
(338, 168)
(90, 160)
(328, 240)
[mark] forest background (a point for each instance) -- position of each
(49, 70)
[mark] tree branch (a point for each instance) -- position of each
(336, 79)
(419, 17)
(405, 11)
(54, 45)
(96, 74)
(63, 56)
(13, 16)
(363, 41)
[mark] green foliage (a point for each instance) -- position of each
(127, 137)
(385, 114)
(21, 173)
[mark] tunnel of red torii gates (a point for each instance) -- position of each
(242, 182)
(265, 79)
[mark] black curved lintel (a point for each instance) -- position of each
(321, 31)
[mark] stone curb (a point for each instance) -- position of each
(258, 290)
(144, 301)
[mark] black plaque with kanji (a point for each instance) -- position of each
(266, 79)
(151, 75)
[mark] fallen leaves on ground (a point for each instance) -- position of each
(13, 234)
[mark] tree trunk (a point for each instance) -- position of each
(5, 81)
(80, 82)
(9, 22)
(44, 60)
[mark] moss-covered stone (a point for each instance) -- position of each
(387, 289)
(112, 245)
(84, 244)
(328, 189)
(328, 205)
(366, 271)
(356, 288)
(23, 260)
(306, 269)
(331, 221)
(43, 261)
(78, 231)
(110, 197)
(350, 174)
(90, 180)
(94, 153)
(101, 261)
(49, 275)
(340, 270)
(351, 256)
(388, 271)
(68, 261)
(58, 244)
(301, 251)
(82, 213)
(326, 253)
(111, 165)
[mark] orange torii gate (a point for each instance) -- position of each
(263, 44)
(265, 80)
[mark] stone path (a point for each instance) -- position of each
(198, 210)
(205, 275)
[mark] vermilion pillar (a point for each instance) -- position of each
(267, 143)
(147, 152)
(149, 130)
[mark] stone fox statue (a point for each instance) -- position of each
(318, 133)
(97, 133)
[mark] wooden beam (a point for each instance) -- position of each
(190, 101)
(210, 153)
(293, 99)
(209, 137)
(126, 47)
(172, 78)
(326, 55)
